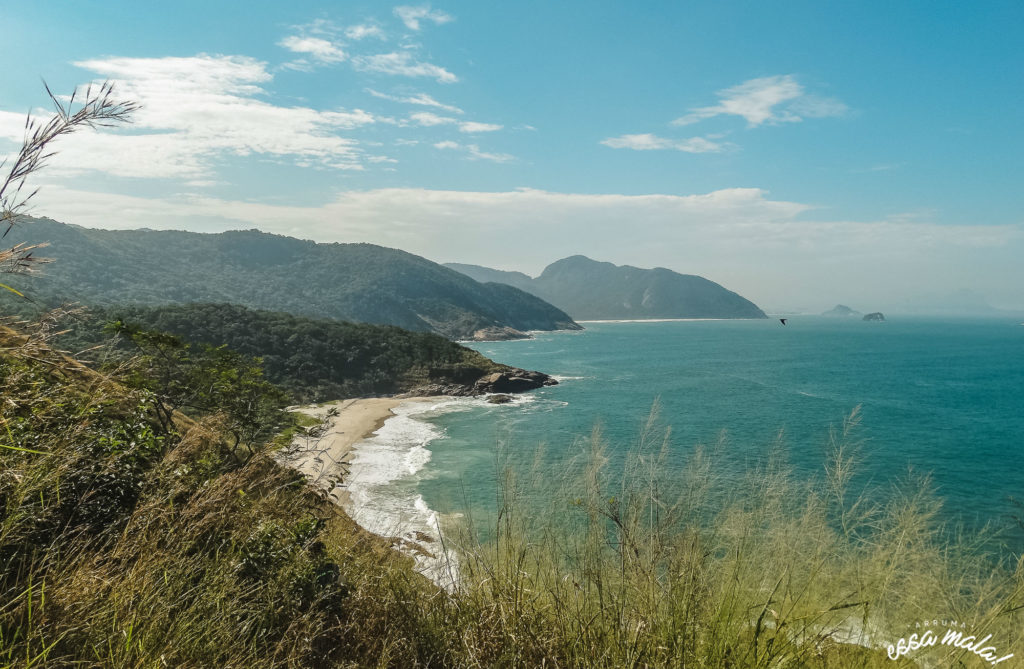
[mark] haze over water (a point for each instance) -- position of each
(937, 396)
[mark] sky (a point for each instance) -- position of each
(802, 154)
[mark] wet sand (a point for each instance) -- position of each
(324, 457)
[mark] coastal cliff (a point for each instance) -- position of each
(505, 380)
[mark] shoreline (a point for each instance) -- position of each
(353, 455)
(324, 457)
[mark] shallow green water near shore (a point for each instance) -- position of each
(944, 397)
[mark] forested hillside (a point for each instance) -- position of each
(352, 282)
(312, 359)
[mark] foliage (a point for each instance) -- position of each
(122, 546)
(204, 381)
(314, 360)
(351, 282)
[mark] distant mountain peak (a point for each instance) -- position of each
(590, 289)
(841, 310)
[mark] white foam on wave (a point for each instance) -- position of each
(381, 483)
(384, 472)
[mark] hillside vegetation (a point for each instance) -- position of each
(351, 282)
(591, 290)
(126, 542)
(314, 360)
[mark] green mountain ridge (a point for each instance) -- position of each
(314, 360)
(592, 290)
(350, 282)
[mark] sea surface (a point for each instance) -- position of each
(938, 397)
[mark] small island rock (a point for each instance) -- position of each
(841, 310)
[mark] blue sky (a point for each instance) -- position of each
(801, 153)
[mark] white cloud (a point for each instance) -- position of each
(429, 119)
(418, 99)
(766, 249)
(812, 106)
(473, 126)
(404, 64)
(648, 142)
(319, 27)
(195, 110)
(764, 100)
(298, 65)
(412, 16)
(474, 152)
(364, 30)
(322, 50)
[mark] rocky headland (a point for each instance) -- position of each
(507, 381)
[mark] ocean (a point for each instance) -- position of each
(937, 397)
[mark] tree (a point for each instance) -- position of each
(203, 381)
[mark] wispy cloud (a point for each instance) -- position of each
(474, 127)
(319, 49)
(363, 30)
(418, 99)
(412, 16)
(771, 100)
(648, 142)
(403, 63)
(196, 110)
(429, 119)
(474, 152)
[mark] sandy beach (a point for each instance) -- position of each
(324, 457)
(331, 459)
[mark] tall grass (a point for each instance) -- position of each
(644, 562)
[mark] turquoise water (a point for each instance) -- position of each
(939, 397)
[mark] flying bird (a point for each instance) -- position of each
(782, 320)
